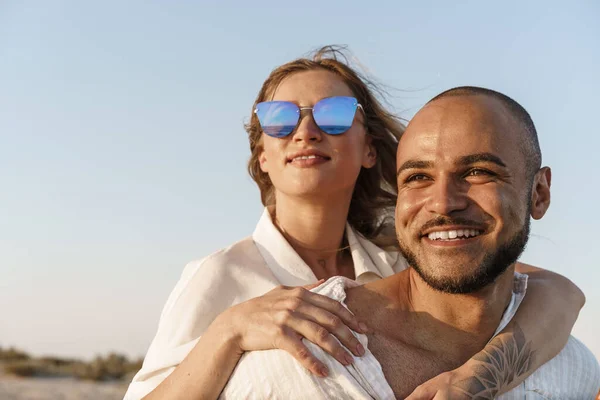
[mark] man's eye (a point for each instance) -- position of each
(417, 177)
(479, 172)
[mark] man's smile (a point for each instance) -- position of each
(454, 234)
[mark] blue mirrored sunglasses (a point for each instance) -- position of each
(333, 115)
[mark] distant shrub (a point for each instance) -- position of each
(21, 368)
(56, 362)
(90, 371)
(134, 366)
(112, 367)
(12, 354)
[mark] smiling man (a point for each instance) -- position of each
(469, 182)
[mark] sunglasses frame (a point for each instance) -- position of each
(300, 109)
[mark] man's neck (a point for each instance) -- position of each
(464, 321)
(315, 229)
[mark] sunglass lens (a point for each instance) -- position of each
(334, 115)
(277, 118)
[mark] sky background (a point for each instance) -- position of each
(123, 155)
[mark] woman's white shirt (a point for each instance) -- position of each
(242, 271)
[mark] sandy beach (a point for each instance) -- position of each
(15, 388)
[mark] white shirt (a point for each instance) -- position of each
(246, 269)
(274, 374)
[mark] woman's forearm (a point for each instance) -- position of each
(536, 334)
(205, 371)
(545, 317)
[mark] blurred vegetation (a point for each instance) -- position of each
(111, 367)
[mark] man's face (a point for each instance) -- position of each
(462, 215)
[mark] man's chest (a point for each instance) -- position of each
(405, 367)
(402, 341)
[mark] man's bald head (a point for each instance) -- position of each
(529, 145)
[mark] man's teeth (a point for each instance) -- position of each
(459, 233)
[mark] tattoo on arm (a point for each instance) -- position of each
(500, 362)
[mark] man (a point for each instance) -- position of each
(469, 179)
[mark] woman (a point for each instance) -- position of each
(323, 155)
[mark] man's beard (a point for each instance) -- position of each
(492, 266)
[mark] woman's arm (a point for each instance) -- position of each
(543, 322)
(278, 319)
(205, 371)
(538, 332)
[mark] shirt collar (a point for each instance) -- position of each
(370, 262)
(518, 293)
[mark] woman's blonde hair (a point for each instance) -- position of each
(375, 192)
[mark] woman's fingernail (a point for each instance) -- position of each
(349, 359)
(360, 349)
(363, 327)
(324, 371)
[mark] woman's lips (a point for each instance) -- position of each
(308, 161)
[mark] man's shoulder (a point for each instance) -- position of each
(573, 374)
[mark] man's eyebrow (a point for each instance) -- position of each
(414, 164)
(481, 157)
(466, 160)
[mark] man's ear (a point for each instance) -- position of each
(540, 193)
(370, 156)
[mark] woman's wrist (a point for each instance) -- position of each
(225, 334)
(207, 368)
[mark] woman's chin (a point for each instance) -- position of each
(315, 190)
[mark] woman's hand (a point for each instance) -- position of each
(282, 317)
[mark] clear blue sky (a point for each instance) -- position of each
(122, 152)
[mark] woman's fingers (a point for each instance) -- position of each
(333, 306)
(333, 326)
(291, 342)
(322, 338)
(313, 285)
(282, 317)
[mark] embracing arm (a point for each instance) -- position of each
(543, 322)
(217, 353)
(537, 333)
(278, 319)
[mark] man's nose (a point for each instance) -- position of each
(307, 129)
(447, 196)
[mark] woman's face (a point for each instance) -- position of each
(339, 158)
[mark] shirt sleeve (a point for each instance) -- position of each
(206, 288)
(573, 374)
(199, 296)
